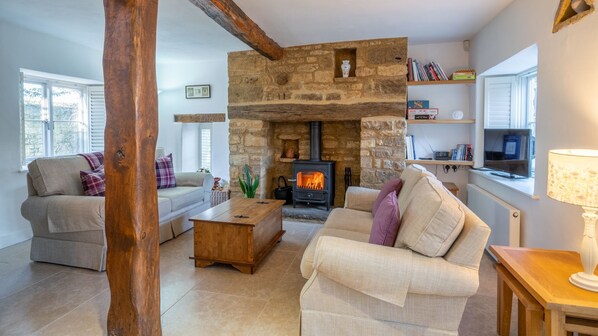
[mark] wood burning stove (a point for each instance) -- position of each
(314, 179)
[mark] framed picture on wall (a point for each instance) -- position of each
(198, 91)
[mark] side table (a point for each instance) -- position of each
(540, 280)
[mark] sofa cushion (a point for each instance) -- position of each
(307, 262)
(349, 219)
(432, 220)
(181, 197)
(410, 176)
(165, 172)
(94, 181)
(386, 222)
(390, 185)
(58, 175)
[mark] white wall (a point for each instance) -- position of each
(567, 106)
(447, 98)
(172, 79)
(21, 48)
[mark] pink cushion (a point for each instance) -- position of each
(386, 221)
(390, 185)
(94, 181)
(165, 172)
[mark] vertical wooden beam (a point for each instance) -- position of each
(130, 140)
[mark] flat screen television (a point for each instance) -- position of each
(509, 152)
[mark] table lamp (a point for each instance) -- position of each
(573, 178)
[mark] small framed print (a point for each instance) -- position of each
(197, 91)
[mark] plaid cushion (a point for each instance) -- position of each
(94, 181)
(95, 159)
(165, 172)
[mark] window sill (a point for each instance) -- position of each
(523, 186)
(23, 170)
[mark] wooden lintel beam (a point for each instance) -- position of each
(132, 234)
(200, 118)
(227, 14)
(311, 112)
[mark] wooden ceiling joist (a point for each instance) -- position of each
(227, 14)
(200, 118)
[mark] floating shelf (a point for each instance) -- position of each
(441, 82)
(441, 162)
(442, 121)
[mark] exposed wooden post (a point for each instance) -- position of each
(130, 141)
(227, 14)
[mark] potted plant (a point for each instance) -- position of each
(248, 184)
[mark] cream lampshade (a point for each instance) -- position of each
(573, 178)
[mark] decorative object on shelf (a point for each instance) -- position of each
(457, 115)
(418, 104)
(197, 91)
(290, 153)
(463, 74)
(570, 12)
(346, 68)
(249, 184)
(422, 114)
(573, 179)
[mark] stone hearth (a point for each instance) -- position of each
(271, 103)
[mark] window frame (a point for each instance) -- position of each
(49, 136)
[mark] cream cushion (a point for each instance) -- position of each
(351, 220)
(410, 176)
(52, 176)
(432, 220)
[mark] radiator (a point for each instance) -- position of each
(503, 219)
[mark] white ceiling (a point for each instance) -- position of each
(185, 33)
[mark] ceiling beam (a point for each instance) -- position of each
(200, 118)
(227, 14)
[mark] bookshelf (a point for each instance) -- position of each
(441, 162)
(441, 82)
(442, 121)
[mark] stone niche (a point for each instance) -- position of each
(271, 103)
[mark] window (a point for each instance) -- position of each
(205, 146)
(510, 102)
(56, 117)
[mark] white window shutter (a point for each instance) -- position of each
(499, 102)
(97, 118)
(206, 146)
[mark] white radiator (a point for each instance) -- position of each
(503, 219)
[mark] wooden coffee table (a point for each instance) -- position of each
(240, 232)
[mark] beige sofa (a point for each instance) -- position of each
(68, 227)
(358, 288)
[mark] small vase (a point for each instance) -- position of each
(345, 68)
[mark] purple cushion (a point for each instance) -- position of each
(391, 185)
(94, 181)
(165, 172)
(386, 221)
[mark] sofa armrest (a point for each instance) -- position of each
(359, 198)
(389, 273)
(194, 179)
(65, 213)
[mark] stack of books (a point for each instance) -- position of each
(463, 74)
(422, 113)
(463, 152)
(410, 148)
(424, 72)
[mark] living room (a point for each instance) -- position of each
(565, 103)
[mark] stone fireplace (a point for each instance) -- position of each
(362, 117)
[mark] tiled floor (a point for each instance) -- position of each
(45, 299)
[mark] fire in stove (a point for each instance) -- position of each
(310, 180)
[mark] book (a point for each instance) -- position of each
(440, 71)
(414, 111)
(433, 72)
(418, 104)
(409, 69)
(409, 148)
(463, 74)
(422, 117)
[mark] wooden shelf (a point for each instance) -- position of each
(441, 162)
(441, 121)
(441, 82)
